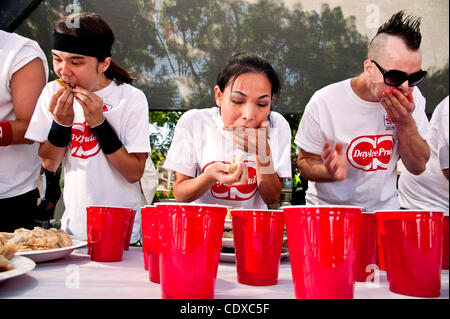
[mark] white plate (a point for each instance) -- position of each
(228, 224)
(231, 258)
(52, 254)
(22, 265)
(227, 243)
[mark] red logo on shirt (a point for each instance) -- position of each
(235, 193)
(370, 153)
(84, 144)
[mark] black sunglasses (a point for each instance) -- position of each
(397, 78)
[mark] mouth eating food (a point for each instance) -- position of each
(64, 84)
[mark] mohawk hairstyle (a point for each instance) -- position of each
(405, 26)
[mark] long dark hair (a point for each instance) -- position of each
(247, 63)
(91, 24)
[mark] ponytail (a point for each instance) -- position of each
(118, 74)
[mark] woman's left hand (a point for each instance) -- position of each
(92, 106)
(251, 140)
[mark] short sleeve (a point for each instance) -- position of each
(419, 115)
(180, 157)
(280, 145)
(42, 119)
(137, 129)
(309, 136)
(27, 54)
(443, 135)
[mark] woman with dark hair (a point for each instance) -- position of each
(206, 141)
(93, 119)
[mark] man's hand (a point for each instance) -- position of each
(334, 161)
(398, 106)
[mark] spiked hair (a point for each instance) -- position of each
(405, 26)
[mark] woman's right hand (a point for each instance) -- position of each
(219, 172)
(61, 106)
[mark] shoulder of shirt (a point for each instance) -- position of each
(16, 39)
(131, 89)
(278, 119)
(199, 113)
(324, 91)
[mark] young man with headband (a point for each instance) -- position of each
(98, 123)
(23, 74)
(353, 132)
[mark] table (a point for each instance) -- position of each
(77, 277)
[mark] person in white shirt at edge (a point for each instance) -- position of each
(23, 75)
(242, 123)
(353, 132)
(430, 190)
(99, 124)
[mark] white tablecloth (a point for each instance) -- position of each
(75, 276)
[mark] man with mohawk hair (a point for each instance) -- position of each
(353, 132)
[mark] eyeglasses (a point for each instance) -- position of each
(397, 78)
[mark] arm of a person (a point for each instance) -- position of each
(331, 166)
(414, 151)
(188, 189)
(130, 165)
(26, 86)
(51, 156)
(269, 184)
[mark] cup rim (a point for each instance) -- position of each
(407, 211)
(321, 206)
(256, 210)
(102, 206)
(191, 204)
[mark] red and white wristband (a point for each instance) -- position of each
(5, 133)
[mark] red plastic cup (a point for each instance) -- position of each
(258, 239)
(412, 246)
(190, 249)
(107, 229)
(151, 241)
(366, 248)
(380, 256)
(445, 244)
(129, 230)
(322, 250)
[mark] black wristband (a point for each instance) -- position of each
(59, 135)
(106, 137)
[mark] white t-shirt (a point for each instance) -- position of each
(89, 178)
(430, 190)
(19, 163)
(199, 141)
(335, 113)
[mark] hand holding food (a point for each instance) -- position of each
(237, 159)
(398, 105)
(92, 106)
(64, 84)
(61, 106)
(220, 173)
(251, 140)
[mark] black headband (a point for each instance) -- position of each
(91, 46)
